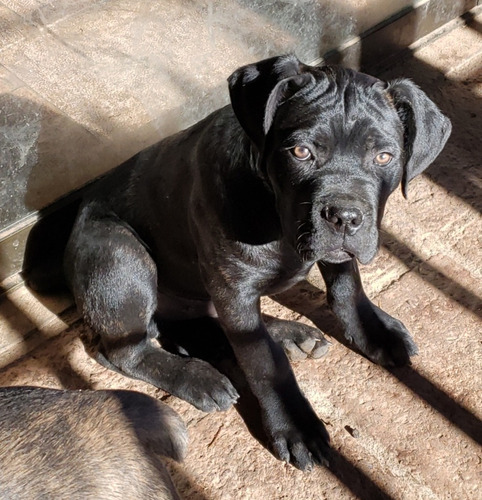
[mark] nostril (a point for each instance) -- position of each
(352, 219)
(355, 217)
(330, 214)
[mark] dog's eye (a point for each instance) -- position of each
(301, 152)
(383, 158)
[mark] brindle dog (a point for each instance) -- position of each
(107, 445)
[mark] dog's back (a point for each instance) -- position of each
(86, 444)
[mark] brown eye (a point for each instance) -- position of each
(301, 152)
(383, 158)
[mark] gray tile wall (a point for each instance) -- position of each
(84, 84)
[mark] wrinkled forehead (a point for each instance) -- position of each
(341, 100)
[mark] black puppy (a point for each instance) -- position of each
(296, 171)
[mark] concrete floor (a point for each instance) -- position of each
(411, 433)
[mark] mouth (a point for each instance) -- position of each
(338, 256)
(312, 245)
(333, 254)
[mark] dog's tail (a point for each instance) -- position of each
(158, 427)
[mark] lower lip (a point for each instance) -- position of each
(339, 256)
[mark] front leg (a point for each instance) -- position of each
(295, 433)
(383, 339)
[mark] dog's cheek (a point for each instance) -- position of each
(368, 247)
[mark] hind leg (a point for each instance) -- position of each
(114, 282)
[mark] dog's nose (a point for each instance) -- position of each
(343, 218)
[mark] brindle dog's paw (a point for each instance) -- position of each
(206, 388)
(299, 341)
(385, 340)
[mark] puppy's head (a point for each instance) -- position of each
(333, 144)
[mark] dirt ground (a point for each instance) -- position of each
(411, 433)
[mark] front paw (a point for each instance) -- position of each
(302, 449)
(383, 339)
(298, 340)
(298, 436)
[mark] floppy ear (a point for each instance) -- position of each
(426, 129)
(257, 90)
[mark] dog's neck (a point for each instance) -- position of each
(250, 208)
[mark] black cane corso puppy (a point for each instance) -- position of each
(102, 445)
(295, 172)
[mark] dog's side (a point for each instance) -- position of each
(86, 444)
(296, 171)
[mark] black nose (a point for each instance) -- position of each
(343, 218)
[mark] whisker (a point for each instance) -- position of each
(302, 234)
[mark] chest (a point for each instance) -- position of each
(284, 282)
(274, 268)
